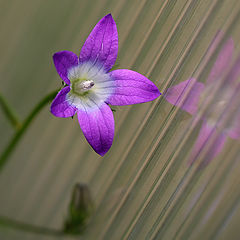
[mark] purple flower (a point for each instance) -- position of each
(189, 94)
(90, 87)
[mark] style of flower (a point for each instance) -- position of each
(197, 91)
(90, 87)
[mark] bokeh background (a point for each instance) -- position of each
(143, 188)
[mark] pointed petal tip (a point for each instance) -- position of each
(102, 44)
(158, 93)
(98, 127)
(155, 94)
(109, 16)
(132, 88)
(101, 151)
(102, 154)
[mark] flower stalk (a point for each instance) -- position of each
(9, 113)
(25, 227)
(23, 127)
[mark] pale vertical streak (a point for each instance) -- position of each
(125, 114)
(178, 149)
(129, 190)
(219, 168)
(149, 32)
(218, 193)
(138, 131)
(218, 175)
(138, 11)
(153, 107)
(123, 158)
(227, 219)
(205, 152)
(231, 115)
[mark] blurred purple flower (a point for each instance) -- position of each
(197, 91)
(90, 87)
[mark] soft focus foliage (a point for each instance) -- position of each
(143, 188)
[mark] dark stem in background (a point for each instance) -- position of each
(19, 133)
(17, 225)
(10, 114)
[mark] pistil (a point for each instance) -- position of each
(81, 86)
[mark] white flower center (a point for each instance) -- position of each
(90, 86)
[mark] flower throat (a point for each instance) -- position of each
(81, 86)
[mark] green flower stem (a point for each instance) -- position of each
(25, 227)
(11, 116)
(19, 133)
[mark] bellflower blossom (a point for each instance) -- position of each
(198, 91)
(90, 87)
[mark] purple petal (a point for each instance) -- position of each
(60, 107)
(176, 94)
(131, 88)
(102, 44)
(98, 127)
(222, 62)
(63, 62)
(204, 139)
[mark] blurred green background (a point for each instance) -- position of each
(140, 188)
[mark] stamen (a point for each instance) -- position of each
(86, 85)
(81, 87)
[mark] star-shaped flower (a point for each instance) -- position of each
(90, 87)
(197, 92)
